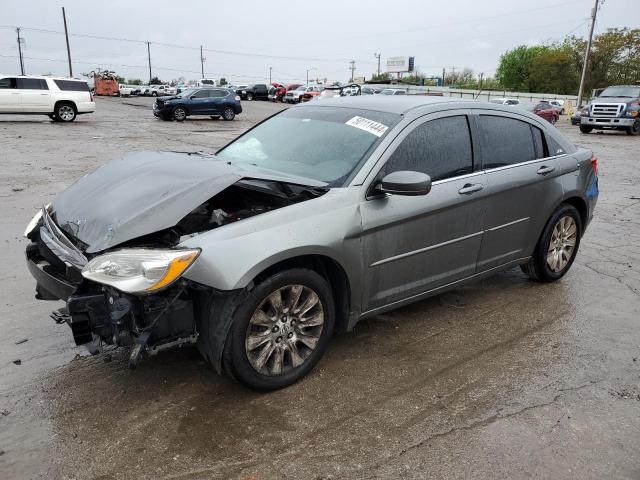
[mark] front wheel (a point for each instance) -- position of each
(249, 96)
(634, 129)
(228, 113)
(586, 128)
(281, 331)
(179, 114)
(557, 247)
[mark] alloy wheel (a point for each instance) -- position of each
(228, 113)
(562, 244)
(284, 330)
(66, 113)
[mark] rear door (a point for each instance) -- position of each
(216, 101)
(523, 185)
(10, 99)
(415, 244)
(35, 95)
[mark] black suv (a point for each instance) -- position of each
(257, 91)
(215, 102)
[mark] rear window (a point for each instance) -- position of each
(72, 86)
(505, 141)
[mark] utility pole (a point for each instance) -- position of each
(202, 59)
(594, 12)
(443, 74)
(20, 40)
(378, 55)
(481, 75)
(149, 58)
(353, 69)
(66, 35)
(271, 68)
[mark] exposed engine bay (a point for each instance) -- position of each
(99, 314)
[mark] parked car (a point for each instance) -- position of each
(547, 111)
(559, 104)
(276, 92)
(125, 90)
(616, 108)
(214, 102)
(340, 91)
(61, 99)
(505, 101)
(205, 82)
(354, 215)
(393, 91)
(312, 92)
(256, 91)
(575, 116)
(162, 90)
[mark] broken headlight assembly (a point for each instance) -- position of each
(139, 270)
(34, 221)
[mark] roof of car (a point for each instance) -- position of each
(42, 77)
(398, 104)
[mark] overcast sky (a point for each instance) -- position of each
(289, 36)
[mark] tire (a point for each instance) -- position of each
(154, 94)
(228, 114)
(586, 128)
(566, 225)
(634, 129)
(256, 338)
(249, 96)
(65, 112)
(179, 114)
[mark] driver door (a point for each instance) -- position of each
(200, 102)
(414, 244)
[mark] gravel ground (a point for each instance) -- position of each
(504, 378)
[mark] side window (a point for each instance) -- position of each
(72, 86)
(7, 83)
(201, 94)
(440, 148)
(30, 83)
(554, 147)
(538, 140)
(218, 93)
(505, 141)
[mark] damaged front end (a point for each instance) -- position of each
(132, 293)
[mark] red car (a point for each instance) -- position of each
(547, 111)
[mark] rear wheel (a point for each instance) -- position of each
(65, 112)
(557, 247)
(634, 129)
(179, 114)
(281, 331)
(228, 113)
(586, 128)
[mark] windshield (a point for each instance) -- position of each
(187, 92)
(325, 144)
(632, 92)
(301, 88)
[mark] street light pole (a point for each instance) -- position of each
(378, 55)
(270, 68)
(308, 70)
(201, 62)
(149, 58)
(594, 12)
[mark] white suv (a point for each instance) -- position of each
(62, 99)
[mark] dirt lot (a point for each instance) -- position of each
(505, 378)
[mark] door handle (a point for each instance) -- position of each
(470, 188)
(544, 170)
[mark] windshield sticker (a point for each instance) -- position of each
(367, 125)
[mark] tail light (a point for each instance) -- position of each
(594, 164)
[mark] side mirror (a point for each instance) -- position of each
(405, 183)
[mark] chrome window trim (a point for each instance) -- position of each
(528, 162)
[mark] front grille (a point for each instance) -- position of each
(608, 110)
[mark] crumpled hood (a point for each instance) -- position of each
(146, 192)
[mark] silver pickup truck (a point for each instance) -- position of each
(617, 108)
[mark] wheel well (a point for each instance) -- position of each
(581, 206)
(65, 101)
(331, 270)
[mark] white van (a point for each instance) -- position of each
(62, 99)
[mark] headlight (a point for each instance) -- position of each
(34, 221)
(139, 270)
(584, 111)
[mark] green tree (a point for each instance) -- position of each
(223, 82)
(134, 81)
(383, 77)
(155, 81)
(552, 71)
(515, 66)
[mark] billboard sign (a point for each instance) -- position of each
(400, 64)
